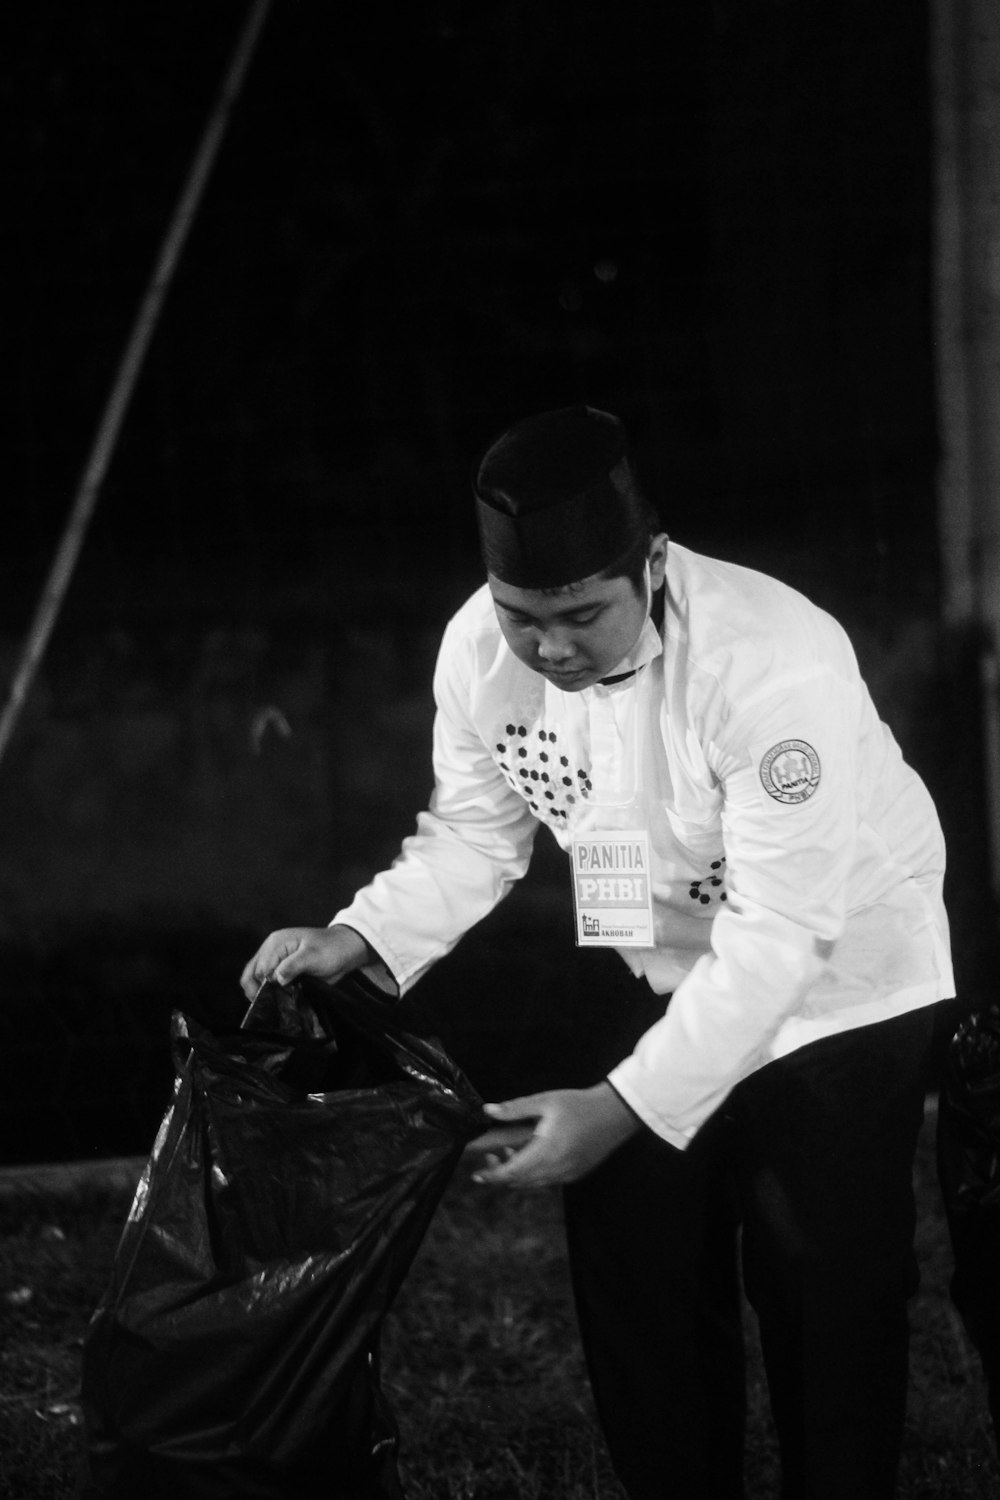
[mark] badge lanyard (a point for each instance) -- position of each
(612, 879)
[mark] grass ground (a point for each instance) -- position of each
(481, 1366)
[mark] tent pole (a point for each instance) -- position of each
(123, 385)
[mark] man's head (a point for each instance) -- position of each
(557, 500)
(572, 547)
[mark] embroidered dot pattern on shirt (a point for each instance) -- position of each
(535, 766)
(712, 882)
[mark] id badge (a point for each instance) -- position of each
(612, 889)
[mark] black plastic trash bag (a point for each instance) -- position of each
(968, 1145)
(235, 1352)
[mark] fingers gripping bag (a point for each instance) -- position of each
(235, 1350)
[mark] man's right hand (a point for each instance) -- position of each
(324, 952)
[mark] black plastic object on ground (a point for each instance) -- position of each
(969, 1169)
(234, 1355)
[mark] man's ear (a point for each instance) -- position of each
(658, 559)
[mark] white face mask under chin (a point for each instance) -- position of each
(648, 643)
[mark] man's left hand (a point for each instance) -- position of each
(572, 1131)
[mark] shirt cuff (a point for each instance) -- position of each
(619, 1081)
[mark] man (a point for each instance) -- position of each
(743, 829)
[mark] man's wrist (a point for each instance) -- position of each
(620, 1121)
(359, 951)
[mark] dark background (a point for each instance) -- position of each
(426, 221)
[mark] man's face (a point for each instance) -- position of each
(578, 634)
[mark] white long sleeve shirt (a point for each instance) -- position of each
(797, 861)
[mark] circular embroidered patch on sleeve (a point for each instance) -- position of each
(790, 771)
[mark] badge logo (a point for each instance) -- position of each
(790, 771)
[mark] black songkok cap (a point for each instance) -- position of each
(557, 500)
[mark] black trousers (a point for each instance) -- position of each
(807, 1171)
(968, 1150)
